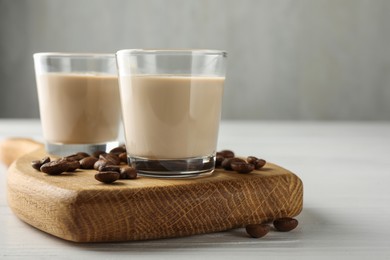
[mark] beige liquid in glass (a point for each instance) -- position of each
(79, 108)
(171, 117)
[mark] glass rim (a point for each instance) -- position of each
(171, 52)
(73, 55)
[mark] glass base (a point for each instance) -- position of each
(173, 168)
(68, 149)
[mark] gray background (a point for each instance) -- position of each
(288, 59)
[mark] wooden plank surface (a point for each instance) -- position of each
(13, 148)
(74, 206)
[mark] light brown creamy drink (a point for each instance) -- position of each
(79, 108)
(171, 117)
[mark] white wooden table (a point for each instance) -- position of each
(345, 168)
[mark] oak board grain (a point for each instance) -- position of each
(13, 148)
(75, 207)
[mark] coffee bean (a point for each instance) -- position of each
(118, 150)
(73, 165)
(55, 167)
(110, 158)
(71, 157)
(226, 163)
(285, 224)
(36, 164)
(226, 153)
(96, 154)
(83, 154)
(259, 164)
(218, 160)
(242, 167)
(123, 157)
(128, 172)
(88, 162)
(109, 168)
(76, 156)
(257, 230)
(251, 159)
(99, 163)
(107, 177)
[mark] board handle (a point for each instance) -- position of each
(13, 148)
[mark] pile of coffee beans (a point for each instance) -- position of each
(64, 164)
(113, 165)
(227, 160)
(110, 166)
(282, 224)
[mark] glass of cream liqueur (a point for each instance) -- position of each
(78, 101)
(171, 104)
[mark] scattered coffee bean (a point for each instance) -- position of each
(118, 150)
(73, 165)
(259, 164)
(107, 177)
(76, 156)
(36, 164)
(251, 159)
(123, 157)
(99, 163)
(242, 167)
(226, 163)
(88, 162)
(83, 154)
(285, 224)
(226, 153)
(55, 167)
(110, 158)
(109, 168)
(257, 230)
(96, 154)
(128, 172)
(71, 157)
(218, 160)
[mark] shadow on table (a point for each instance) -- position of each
(310, 221)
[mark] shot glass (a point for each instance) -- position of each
(171, 105)
(79, 101)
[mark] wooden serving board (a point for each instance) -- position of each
(75, 207)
